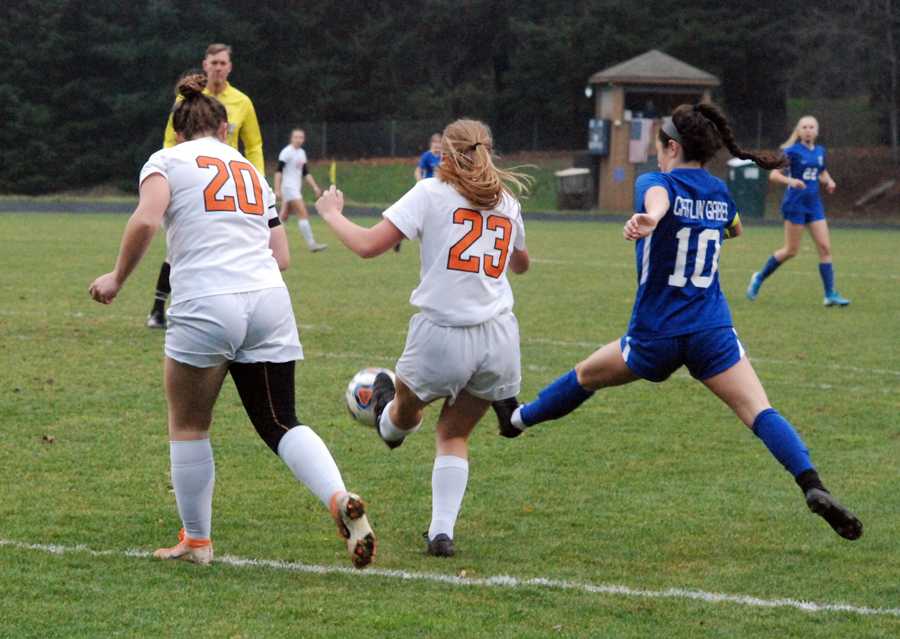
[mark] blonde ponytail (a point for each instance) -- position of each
(467, 164)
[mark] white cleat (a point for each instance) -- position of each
(196, 551)
(315, 247)
(349, 512)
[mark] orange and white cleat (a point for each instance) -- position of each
(198, 551)
(349, 512)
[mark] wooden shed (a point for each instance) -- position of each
(634, 96)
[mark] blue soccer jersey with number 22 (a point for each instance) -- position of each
(677, 265)
(806, 164)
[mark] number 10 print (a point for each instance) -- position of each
(698, 279)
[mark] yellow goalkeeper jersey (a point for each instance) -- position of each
(242, 124)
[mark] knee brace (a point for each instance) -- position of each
(267, 392)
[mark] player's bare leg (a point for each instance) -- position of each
(398, 411)
(740, 388)
(451, 469)
(299, 209)
(793, 233)
(603, 368)
(191, 393)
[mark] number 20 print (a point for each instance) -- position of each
(237, 172)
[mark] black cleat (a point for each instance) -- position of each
(156, 319)
(440, 546)
(827, 507)
(383, 392)
(504, 410)
(397, 246)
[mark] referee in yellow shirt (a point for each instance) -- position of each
(242, 125)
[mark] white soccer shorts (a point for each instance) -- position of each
(289, 194)
(441, 361)
(256, 326)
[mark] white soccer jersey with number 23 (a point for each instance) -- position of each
(218, 220)
(464, 252)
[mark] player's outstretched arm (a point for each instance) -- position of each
(778, 177)
(139, 232)
(365, 242)
(656, 205)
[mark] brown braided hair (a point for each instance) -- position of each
(196, 114)
(704, 129)
(467, 164)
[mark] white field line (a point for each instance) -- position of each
(629, 265)
(323, 328)
(531, 340)
(499, 581)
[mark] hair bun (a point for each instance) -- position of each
(191, 85)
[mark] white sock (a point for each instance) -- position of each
(448, 485)
(306, 231)
(309, 459)
(193, 478)
(389, 431)
(516, 419)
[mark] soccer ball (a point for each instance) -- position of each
(359, 395)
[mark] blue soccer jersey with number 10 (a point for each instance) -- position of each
(677, 265)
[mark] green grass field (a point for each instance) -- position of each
(653, 487)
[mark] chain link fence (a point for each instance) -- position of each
(844, 122)
(406, 138)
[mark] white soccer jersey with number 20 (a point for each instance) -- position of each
(218, 220)
(464, 252)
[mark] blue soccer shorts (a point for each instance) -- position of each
(805, 217)
(706, 353)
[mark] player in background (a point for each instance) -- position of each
(463, 345)
(430, 159)
(242, 126)
(680, 315)
(428, 162)
(230, 313)
(802, 206)
(289, 178)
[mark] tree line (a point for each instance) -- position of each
(85, 86)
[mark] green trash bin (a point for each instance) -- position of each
(748, 185)
(574, 189)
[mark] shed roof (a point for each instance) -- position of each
(655, 67)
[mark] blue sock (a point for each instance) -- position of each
(770, 267)
(826, 270)
(782, 441)
(557, 400)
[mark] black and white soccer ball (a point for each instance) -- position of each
(359, 395)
